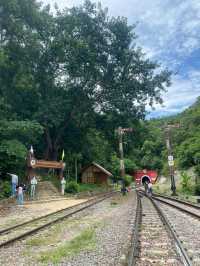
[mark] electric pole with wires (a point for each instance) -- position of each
(170, 155)
(122, 131)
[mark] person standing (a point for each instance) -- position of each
(63, 183)
(14, 182)
(150, 189)
(33, 186)
(20, 196)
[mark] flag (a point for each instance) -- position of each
(63, 155)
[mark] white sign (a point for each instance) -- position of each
(33, 162)
(170, 158)
(171, 163)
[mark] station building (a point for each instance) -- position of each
(95, 174)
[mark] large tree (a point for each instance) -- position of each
(73, 69)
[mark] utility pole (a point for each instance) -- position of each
(170, 155)
(121, 131)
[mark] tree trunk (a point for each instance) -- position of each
(51, 152)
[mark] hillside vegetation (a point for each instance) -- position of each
(69, 80)
(185, 139)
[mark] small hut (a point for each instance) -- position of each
(95, 174)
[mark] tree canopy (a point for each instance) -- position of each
(69, 80)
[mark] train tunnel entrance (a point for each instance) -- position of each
(145, 179)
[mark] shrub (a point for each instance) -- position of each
(197, 170)
(197, 189)
(5, 188)
(128, 180)
(185, 178)
(72, 187)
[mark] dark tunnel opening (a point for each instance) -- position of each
(145, 179)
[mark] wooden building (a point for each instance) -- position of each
(95, 174)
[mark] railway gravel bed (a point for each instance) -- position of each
(191, 209)
(9, 235)
(187, 229)
(156, 246)
(111, 221)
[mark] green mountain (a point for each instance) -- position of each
(185, 140)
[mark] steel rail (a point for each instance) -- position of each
(134, 250)
(177, 200)
(30, 232)
(195, 215)
(184, 254)
(46, 215)
(135, 239)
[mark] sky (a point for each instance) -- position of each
(169, 32)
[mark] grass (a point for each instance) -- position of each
(86, 240)
(92, 187)
(51, 238)
(185, 194)
(114, 203)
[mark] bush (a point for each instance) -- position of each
(185, 178)
(197, 189)
(5, 188)
(128, 180)
(197, 170)
(72, 187)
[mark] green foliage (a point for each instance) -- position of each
(130, 166)
(5, 189)
(68, 81)
(185, 179)
(13, 154)
(197, 171)
(72, 187)
(84, 241)
(128, 180)
(197, 189)
(115, 166)
(92, 187)
(184, 141)
(26, 131)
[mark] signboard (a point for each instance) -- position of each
(33, 162)
(48, 164)
(170, 158)
(171, 163)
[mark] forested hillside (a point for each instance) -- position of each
(185, 139)
(68, 80)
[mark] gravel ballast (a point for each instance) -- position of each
(112, 221)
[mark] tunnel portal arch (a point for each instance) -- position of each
(144, 179)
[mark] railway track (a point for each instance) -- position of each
(12, 234)
(187, 228)
(184, 206)
(154, 240)
(175, 199)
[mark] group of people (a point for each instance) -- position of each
(18, 189)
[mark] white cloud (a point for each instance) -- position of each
(169, 31)
(180, 95)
